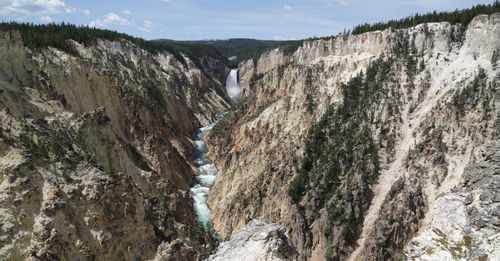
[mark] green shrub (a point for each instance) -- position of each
(494, 58)
(5, 136)
(56, 148)
(332, 254)
(170, 233)
(327, 231)
(66, 175)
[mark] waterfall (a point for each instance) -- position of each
(233, 89)
(207, 171)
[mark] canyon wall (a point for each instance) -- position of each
(366, 132)
(95, 150)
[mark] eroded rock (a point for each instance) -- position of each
(465, 224)
(258, 240)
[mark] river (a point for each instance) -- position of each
(207, 172)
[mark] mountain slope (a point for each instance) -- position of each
(366, 130)
(95, 149)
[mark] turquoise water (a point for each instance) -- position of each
(207, 172)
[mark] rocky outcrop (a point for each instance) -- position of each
(215, 68)
(465, 223)
(257, 241)
(427, 99)
(95, 150)
(177, 250)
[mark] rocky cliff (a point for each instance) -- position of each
(256, 241)
(95, 149)
(364, 130)
(465, 225)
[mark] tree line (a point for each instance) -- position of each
(57, 35)
(462, 17)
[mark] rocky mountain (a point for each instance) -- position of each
(354, 143)
(95, 149)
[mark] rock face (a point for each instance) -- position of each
(416, 102)
(465, 224)
(176, 250)
(95, 150)
(256, 241)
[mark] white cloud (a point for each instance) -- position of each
(166, 1)
(148, 23)
(127, 12)
(146, 26)
(46, 19)
(86, 12)
(342, 2)
(279, 38)
(287, 7)
(110, 18)
(24, 8)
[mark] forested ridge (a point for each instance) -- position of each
(462, 17)
(56, 35)
(242, 49)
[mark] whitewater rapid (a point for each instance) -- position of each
(207, 173)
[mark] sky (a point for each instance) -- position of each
(216, 19)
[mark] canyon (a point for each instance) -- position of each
(95, 150)
(382, 145)
(431, 101)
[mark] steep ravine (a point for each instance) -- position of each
(95, 150)
(426, 98)
(207, 171)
